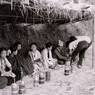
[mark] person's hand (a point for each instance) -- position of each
(13, 75)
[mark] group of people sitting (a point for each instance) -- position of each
(13, 64)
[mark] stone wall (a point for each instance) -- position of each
(42, 33)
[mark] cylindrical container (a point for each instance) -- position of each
(21, 87)
(36, 81)
(67, 68)
(14, 89)
(41, 78)
(48, 75)
(75, 1)
(66, 72)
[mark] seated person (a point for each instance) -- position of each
(5, 63)
(35, 57)
(77, 46)
(60, 53)
(24, 60)
(19, 56)
(16, 67)
(48, 60)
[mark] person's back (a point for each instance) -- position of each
(78, 47)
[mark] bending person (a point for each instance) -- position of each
(77, 46)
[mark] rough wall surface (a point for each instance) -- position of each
(42, 33)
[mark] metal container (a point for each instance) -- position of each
(22, 87)
(66, 72)
(67, 67)
(36, 80)
(47, 75)
(41, 78)
(14, 89)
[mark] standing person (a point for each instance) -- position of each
(35, 57)
(61, 53)
(5, 63)
(78, 45)
(16, 67)
(48, 60)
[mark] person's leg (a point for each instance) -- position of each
(18, 74)
(81, 56)
(3, 82)
(84, 47)
(76, 52)
(81, 48)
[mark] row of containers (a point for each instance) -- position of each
(38, 78)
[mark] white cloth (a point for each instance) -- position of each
(83, 38)
(47, 61)
(74, 44)
(9, 73)
(3, 63)
(35, 55)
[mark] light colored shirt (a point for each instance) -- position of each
(3, 63)
(35, 55)
(83, 38)
(47, 57)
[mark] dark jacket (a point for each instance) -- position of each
(61, 54)
(16, 67)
